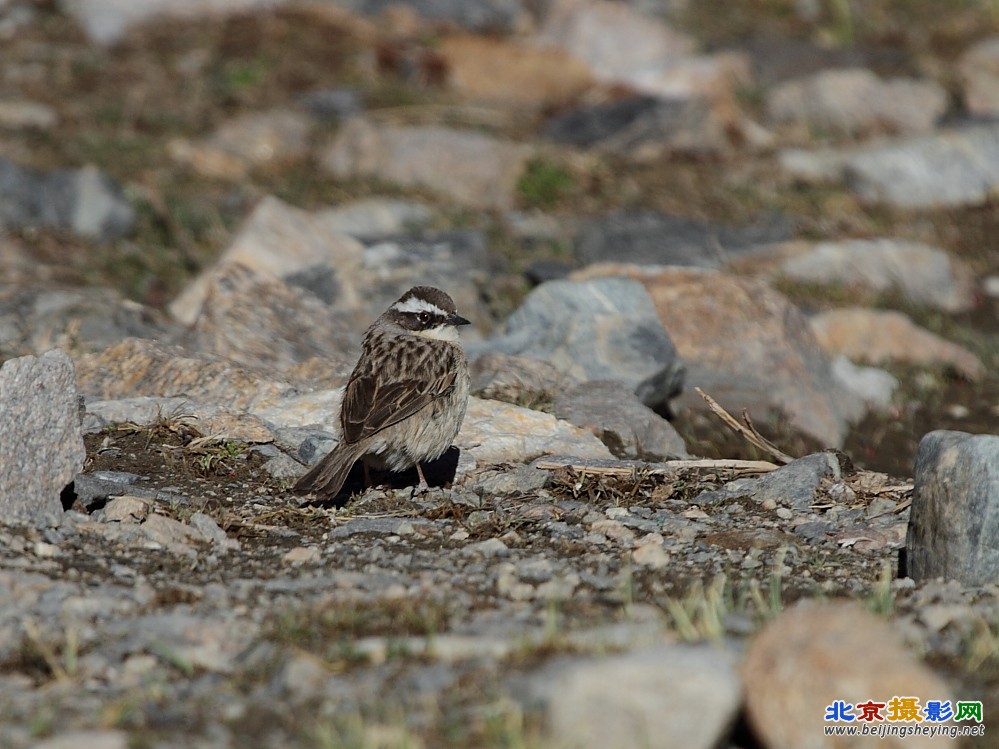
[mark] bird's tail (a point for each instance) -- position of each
(325, 478)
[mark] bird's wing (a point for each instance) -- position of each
(378, 398)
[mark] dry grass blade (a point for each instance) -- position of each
(748, 432)
(44, 650)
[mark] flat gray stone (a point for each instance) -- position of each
(471, 168)
(923, 274)
(86, 201)
(372, 217)
(954, 521)
(90, 739)
(483, 15)
(855, 100)
(630, 429)
(649, 238)
(794, 485)
(107, 21)
(950, 168)
(640, 700)
(376, 527)
(642, 127)
(492, 432)
(41, 442)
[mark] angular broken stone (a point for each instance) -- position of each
(630, 429)
(954, 521)
(41, 441)
(593, 329)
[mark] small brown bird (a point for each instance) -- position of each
(406, 398)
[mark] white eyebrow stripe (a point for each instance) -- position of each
(415, 304)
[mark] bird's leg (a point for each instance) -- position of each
(423, 485)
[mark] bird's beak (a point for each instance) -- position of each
(457, 320)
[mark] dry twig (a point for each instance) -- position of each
(627, 468)
(747, 432)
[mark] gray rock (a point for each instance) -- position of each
(173, 534)
(333, 104)
(954, 521)
(313, 447)
(455, 261)
(470, 168)
(661, 239)
(257, 140)
(147, 368)
(84, 201)
(876, 386)
(186, 640)
(285, 468)
(117, 477)
(90, 739)
(379, 217)
(485, 15)
(813, 167)
(642, 699)
(23, 114)
(748, 347)
(517, 379)
(41, 443)
(493, 432)
(922, 274)
(490, 547)
(630, 429)
(376, 527)
(617, 41)
(217, 421)
(601, 329)
(642, 127)
(524, 480)
(979, 71)
(950, 168)
(796, 484)
(35, 319)
(125, 509)
(208, 528)
(107, 21)
(291, 328)
(278, 240)
(91, 491)
(548, 269)
(853, 101)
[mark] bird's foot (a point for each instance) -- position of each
(423, 487)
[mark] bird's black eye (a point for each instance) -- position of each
(424, 317)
